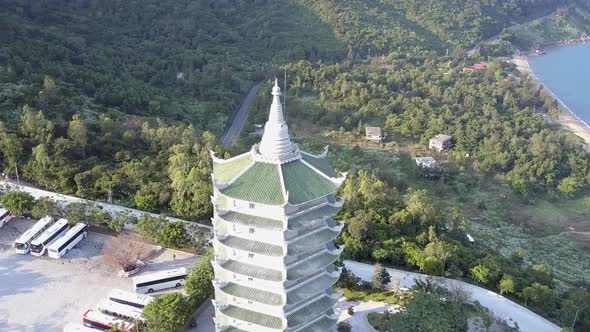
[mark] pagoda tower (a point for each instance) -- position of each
(274, 233)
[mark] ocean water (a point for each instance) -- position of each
(566, 72)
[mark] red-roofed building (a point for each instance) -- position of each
(477, 66)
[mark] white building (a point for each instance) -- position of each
(274, 233)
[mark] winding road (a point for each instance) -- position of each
(240, 119)
(501, 307)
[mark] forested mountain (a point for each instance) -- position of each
(127, 54)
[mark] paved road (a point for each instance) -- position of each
(500, 306)
(64, 200)
(240, 119)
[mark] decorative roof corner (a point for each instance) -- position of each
(340, 179)
(325, 153)
(214, 157)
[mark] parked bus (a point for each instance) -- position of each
(62, 245)
(22, 245)
(76, 327)
(92, 318)
(129, 298)
(40, 244)
(4, 217)
(118, 310)
(159, 280)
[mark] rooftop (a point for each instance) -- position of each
(310, 289)
(250, 220)
(276, 168)
(252, 294)
(311, 241)
(252, 246)
(253, 317)
(305, 314)
(253, 271)
(311, 265)
(441, 138)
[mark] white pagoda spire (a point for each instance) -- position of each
(276, 144)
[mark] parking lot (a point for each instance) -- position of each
(43, 294)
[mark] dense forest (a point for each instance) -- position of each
(123, 100)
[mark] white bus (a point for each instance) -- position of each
(75, 327)
(62, 245)
(92, 318)
(129, 298)
(118, 310)
(159, 280)
(40, 244)
(4, 217)
(22, 245)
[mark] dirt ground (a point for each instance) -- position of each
(40, 294)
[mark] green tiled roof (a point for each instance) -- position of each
(252, 294)
(321, 164)
(253, 246)
(304, 219)
(225, 172)
(253, 317)
(312, 288)
(253, 271)
(309, 312)
(309, 242)
(311, 265)
(252, 221)
(260, 184)
(304, 184)
(324, 324)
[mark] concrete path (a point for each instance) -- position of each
(240, 119)
(502, 308)
(358, 321)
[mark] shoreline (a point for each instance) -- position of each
(567, 117)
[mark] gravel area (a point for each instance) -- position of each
(43, 294)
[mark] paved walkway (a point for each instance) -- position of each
(502, 308)
(358, 321)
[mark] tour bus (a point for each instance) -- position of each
(62, 245)
(129, 298)
(76, 327)
(118, 310)
(92, 318)
(4, 217)
(23, 243)
(159, 280)
(40, 244)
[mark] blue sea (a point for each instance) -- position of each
(566, 72)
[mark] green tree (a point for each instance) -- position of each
(480, 274)
(174, 235)
(198, 284)
(78, 132)
(46, 206)
(167, 313)
(12, 149)
(506, 285)
(149, 227)
(18, 203)
(380, 277)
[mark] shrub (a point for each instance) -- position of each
(46, 207)
(18, 203)
(149, 227)
(198, 283)
(344, 327)
(168, 313)
(173, 234)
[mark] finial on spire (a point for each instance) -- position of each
(276, 90)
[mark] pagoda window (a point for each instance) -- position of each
(252, 205)
(251, 230)
(250, 255)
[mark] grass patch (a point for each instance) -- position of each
(390, 297)
(565, 258)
